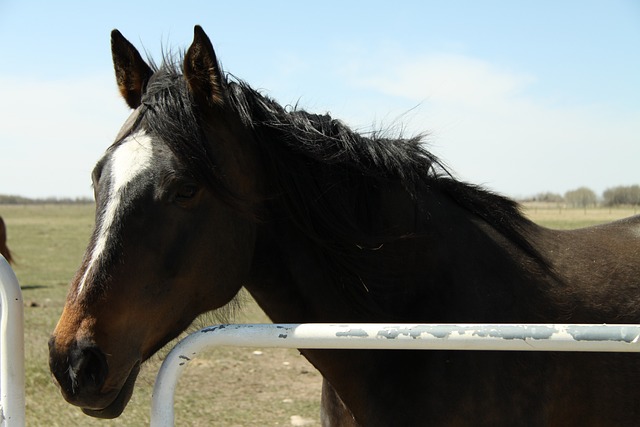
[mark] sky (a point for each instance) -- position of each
(520, 97)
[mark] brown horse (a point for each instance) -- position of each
(4, 249)
(211, 186)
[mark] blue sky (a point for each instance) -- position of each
(522, 97)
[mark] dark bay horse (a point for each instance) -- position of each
(4, 249)
(211, 186)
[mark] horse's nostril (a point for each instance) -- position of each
(80, 369)
(86, 370)
(93, 369)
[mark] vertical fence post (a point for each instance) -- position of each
(12, 401)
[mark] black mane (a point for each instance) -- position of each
(331, 142)
(331, 155)
(326, 176)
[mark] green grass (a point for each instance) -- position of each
(225, 387)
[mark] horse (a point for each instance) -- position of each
(211, 185)
(4, 249)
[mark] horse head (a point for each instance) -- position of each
(171, 238)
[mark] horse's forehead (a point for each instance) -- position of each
(127, 162)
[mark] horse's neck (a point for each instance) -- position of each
(485, 274)
(448, 266)
(599, 272)
(286, 279)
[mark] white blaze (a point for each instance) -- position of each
(128, 160)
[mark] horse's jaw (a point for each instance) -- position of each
(115, 408)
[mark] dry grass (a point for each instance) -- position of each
(554, 216)
(225, 387)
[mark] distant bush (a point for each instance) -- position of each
(622, 195)
(548, 197)
(582, 197)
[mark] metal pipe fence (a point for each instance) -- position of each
(12, 399)
(511, 337)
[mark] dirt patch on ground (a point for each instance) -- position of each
(249, 387)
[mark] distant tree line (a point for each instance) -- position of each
(622, 196)
(584, 197)
(19, 200)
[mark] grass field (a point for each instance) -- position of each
(552, 216)
(226, 387)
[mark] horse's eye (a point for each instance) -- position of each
(186, 192)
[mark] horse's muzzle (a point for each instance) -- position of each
(81, 370)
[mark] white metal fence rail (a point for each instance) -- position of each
(12, 404)
(543, 337)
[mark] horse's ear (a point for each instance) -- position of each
(202, 71)
(132, 73)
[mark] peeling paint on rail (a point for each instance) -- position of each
(630, 334)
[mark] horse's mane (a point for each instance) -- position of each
(329, 141)
(324, 177)
(330, 158)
